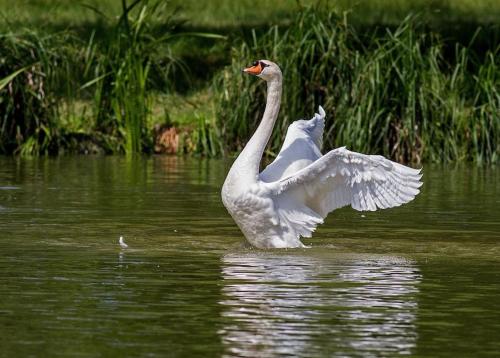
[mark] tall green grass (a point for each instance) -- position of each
(32, 68)
(393, 94)
(58, 91)
(61, 14)
(120, 67)
(404, 92)
(127, 67)
(42, 74)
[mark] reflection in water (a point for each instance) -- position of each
(303, 305)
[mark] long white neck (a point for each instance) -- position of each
(248, 162)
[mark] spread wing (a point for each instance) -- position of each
(342, 177)
(301, 147)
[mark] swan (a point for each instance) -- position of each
(294, 193)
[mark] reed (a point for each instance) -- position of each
(32, 69)
(393, 94)
(119, 67)
(403, 92)
(127, 68)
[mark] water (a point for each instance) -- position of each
(421, 280)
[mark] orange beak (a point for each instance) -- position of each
(254, 70)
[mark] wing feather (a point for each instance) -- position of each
(342, 177)
(301, 147)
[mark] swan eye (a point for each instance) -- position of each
(263, 65)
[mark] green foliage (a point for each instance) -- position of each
(120, 66)
(230, 14)
(30, 70)
(403, 92)
(128, 65)
(392, 94)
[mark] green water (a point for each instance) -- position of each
(421, 280)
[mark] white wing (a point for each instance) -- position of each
(301, 147)
(342, 177)
(306, 186)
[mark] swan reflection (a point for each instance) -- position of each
(302, 305)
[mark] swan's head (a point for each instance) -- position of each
(267, 70)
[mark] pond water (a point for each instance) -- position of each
(421, 280)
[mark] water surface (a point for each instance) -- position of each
(420, 280)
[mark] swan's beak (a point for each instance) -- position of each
(254, 70)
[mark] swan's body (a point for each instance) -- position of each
(301, 186)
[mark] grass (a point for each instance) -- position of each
(396, 96)
(32, 71)
(59, 14)
(121, 66)
(425, 88)
(110, 75)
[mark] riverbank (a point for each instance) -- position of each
(422, 88)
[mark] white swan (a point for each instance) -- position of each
(301, 186)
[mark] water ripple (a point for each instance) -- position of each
(302, 305)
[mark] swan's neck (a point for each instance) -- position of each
(248, 161)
